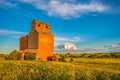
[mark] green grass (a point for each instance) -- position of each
(47, 70)
(104, 64)
(100, 66)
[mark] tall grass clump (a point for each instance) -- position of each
(62, 59)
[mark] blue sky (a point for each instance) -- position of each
(91, 25)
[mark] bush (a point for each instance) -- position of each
(71, 59)
(3, 56)
(105, 56)
(14, 55)
(62, 59)
(30, 56)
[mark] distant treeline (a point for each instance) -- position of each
(15, 55)
(91, 55)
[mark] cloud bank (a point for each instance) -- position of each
(66, 9)
(72, 48)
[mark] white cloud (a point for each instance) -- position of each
(61, 39)
(8, 32)
(64, 43)
(88, 49)
(76, 38)
(65, 9)
(70, 46)
(28, 14)
(114, 46)
(7, 4)
(66, 46)
(64, 39)
(14, 34)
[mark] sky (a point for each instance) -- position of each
(91, 25)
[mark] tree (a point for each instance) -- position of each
(14, 55)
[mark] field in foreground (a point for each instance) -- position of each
(79, 69)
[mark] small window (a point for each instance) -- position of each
(47, 27)
(38, 25)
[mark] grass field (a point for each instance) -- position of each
(100, 64)
(78, 69)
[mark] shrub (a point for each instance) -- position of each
(105, 56)
(3, 56)
(62, 59)
(71, 59)
(14, 55)
(30, 56)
